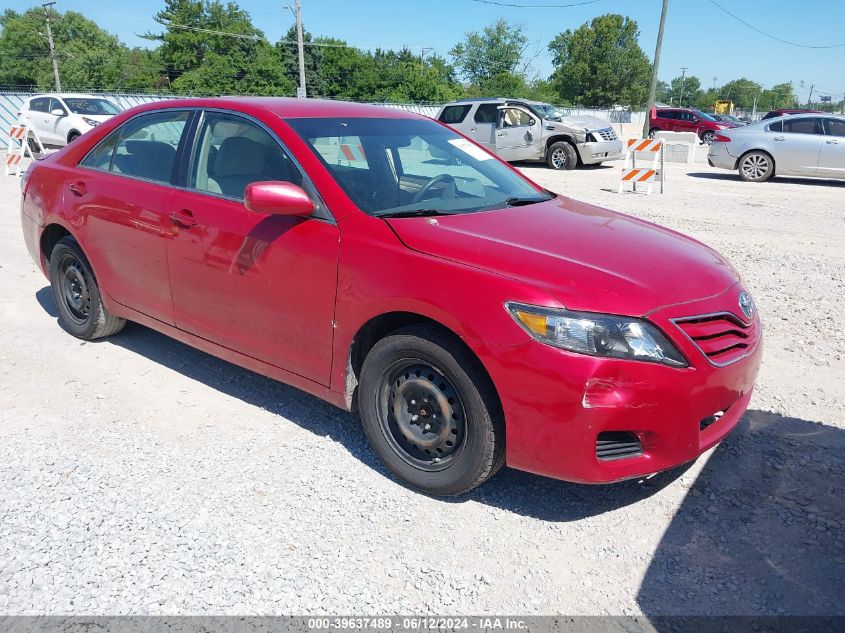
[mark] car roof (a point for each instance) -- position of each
(287, 107)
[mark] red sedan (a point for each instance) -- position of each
(383, 262)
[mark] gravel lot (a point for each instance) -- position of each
(140, 476)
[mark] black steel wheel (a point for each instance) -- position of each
(77, 296)
(430, 411)
(421, 414)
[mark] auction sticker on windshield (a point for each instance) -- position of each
(468, 148)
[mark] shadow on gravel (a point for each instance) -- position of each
(777, 179)
(760, 530)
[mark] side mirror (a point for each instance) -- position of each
(57, 112)
(277, 198)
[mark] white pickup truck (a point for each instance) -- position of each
(517, 130)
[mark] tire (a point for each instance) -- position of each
(33, 146)
(413, 381)
(72, 137)
(561, 155)
(756, 166)
(653, 131)
(708, 136)
(77, 295)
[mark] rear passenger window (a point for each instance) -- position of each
(777, 126)
(487, 113)
(39, 105)
(803, 126)
(100, 157)
(454, 114)
(835, 127)
(147, 145)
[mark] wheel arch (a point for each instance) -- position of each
(382, 325)
(568, 138)
(50, 236)
(72, 134)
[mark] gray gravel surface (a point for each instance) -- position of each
(140, 476)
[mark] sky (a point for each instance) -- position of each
(698, 36)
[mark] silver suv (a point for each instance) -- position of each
(517, 129)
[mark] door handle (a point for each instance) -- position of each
(500, 134)
(183, 217)
(832, 141)
(779, 138)
(78, 188)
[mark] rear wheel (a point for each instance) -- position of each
(76, 294)
(562, 155)
(653, 131)
(430, 412)
(756, 167)
(708, 136)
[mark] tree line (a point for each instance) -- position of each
(206, 47)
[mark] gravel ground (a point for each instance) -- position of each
(140, 476)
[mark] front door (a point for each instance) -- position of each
(518, 134)
(832, 159)
(262, 285)
(126, 208)
(796, 150)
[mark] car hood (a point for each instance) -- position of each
(588, 258)
(589, 123)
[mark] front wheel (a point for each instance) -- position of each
(77, 296)
(561, 155)
(430, 412)
(72, 137)
(756, 167)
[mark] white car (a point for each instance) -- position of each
(59, 119)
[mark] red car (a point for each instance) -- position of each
(784, 111)
(381, 261)
(686, 120)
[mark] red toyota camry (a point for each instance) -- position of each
(383, 262)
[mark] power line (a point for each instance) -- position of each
(769, 35)
(537, 6)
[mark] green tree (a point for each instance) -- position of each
(682, 92)
(89, 57)
(211, 48)
(490, 59)
(601, 63)
(742, 92)
(289, 57)
(778, 96)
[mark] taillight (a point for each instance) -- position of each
(721, 138)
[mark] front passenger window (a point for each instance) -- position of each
(233, 152)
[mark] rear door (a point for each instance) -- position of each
(797, 149)
(483, 128)
(832, 159)
(666, 120)
(263, 285)
(121, 192)
(36, 117)
(517, 134)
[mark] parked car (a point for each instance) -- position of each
(729, 118)
(786, 111)
(686, 120)
(520, 130)
(59, 119)
(793, 145)
(470, 317)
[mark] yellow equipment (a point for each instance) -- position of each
(723, 107)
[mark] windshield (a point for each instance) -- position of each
(402, 166)
(703, 116)
(548, 111)
(90, 106)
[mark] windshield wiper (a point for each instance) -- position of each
(519, 202)
(411, 213)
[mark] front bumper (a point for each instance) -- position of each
(718, 156)
(556, 403)
(600, 151)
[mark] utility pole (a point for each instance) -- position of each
(810, 98)
(300, 93)
(652, 88)
(52, 46)
(423, 51)
(683, 76)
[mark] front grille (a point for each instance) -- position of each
(722, 338)
(617, 445)
(607, 134)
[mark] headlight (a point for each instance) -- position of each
(597, 334)
(91, 122)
